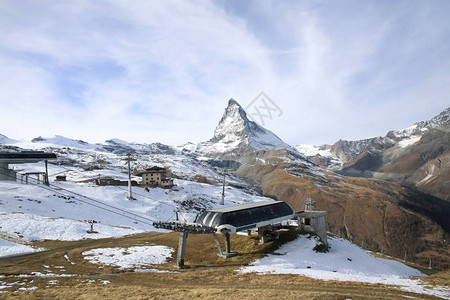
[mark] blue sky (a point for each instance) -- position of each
(163, 71)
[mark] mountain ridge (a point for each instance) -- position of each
(417, 155)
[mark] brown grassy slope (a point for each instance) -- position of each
(434, 177)
(365, 211)
(201, 252)
(210, 276)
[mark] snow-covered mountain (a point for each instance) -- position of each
(5, 141)
(236, 134)
(337, 155)
(115, 146)
(417, 155)
(109, 158)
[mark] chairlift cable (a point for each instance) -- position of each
(52, 189)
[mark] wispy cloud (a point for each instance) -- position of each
(163, 70)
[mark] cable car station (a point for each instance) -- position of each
(264, 217)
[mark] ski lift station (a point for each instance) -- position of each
(7, 158)
(247, 216)
(267, 218)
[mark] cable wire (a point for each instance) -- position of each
(121, 212)
(118, 187)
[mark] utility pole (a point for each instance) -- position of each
(46, 182)
(129, 159)
(223, 189)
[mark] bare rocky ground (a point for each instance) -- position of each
(209, 276)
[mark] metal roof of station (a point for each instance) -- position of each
(25, 156)
(244, 206)
(247, 216)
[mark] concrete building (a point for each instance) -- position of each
(313, 222)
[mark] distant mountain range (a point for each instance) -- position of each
(418, 155)
(382, 215)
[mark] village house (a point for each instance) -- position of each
(156, 177)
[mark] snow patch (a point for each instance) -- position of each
(11, 249)
(132, 257)
(408, 142)
(312, 150)
(344, 262)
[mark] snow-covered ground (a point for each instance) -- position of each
(344, 262)
(31, 212)
(131, 257)
(29, 228)
(10, 249)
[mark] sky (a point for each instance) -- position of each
(163, 71)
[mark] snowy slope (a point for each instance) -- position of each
(30, 213)
(5, 140)
(344, 262)
(134, 257)
(102, 159)
(8, 248)
(33, 212)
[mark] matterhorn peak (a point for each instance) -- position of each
(235, 133)
(234, 121)
(233, 102)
